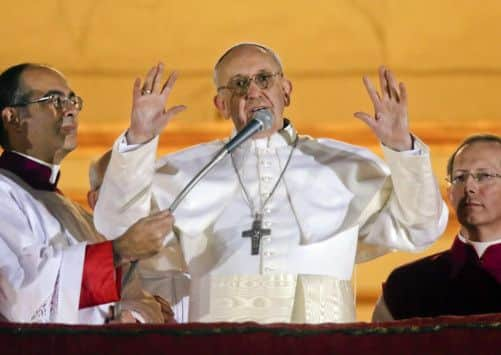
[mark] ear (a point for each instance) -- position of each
(449, 194)
(10, 117)
(287, 89)
(221, 106)
(92, 196)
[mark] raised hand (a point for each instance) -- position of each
(144, 238)
(390, 121)
(149, 116)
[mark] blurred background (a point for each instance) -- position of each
(446, 51)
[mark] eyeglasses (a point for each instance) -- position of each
(481, 178)
(58, 101)
(240, 84)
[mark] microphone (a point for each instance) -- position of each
(261, 120)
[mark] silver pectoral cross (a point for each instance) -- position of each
(255, 233)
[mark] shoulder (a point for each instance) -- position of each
(331, 150)
(17, 202)
(414, 289)
(203, 151)
(10, 188)
(425, 269)
(416, 278)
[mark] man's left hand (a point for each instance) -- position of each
(149, 116)
(390, 121)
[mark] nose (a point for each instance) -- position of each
(470, 184)
(70, 111)
(253, 90)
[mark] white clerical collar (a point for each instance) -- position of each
(281, 139)
(54, 169)
(274, 141)
(480, 247)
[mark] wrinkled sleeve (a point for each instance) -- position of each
(126, 192)
(408, 212)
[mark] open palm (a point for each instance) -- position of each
(149, 116)
(390, 121)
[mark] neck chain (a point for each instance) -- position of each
(256, 232)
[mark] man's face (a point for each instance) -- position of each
(50, 132)
(478, 203)
(246, 62)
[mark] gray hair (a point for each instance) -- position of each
(268, 50)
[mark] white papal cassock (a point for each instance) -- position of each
(337, 204)
(43, 243)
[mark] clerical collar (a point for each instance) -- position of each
(38, 174)
(463, 251)
(480, 247)
(283, 139)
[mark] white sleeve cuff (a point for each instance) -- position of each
(418, 148)
(124, 146)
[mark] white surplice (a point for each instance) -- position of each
(337, 204)
(43, 237)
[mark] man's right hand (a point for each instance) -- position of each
(149, 116)
(144, 238)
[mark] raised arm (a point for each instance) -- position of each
(408, 213)
(125, 195)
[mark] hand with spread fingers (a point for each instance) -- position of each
(149, 116)
(390, 121)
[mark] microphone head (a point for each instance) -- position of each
(265, 117)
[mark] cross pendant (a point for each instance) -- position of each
(255, 233)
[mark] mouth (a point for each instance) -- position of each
(472, 204)
(253, 110)
(69, 128)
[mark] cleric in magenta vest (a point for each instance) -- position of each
(272, 232)
(466, 279)
(54, 266)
